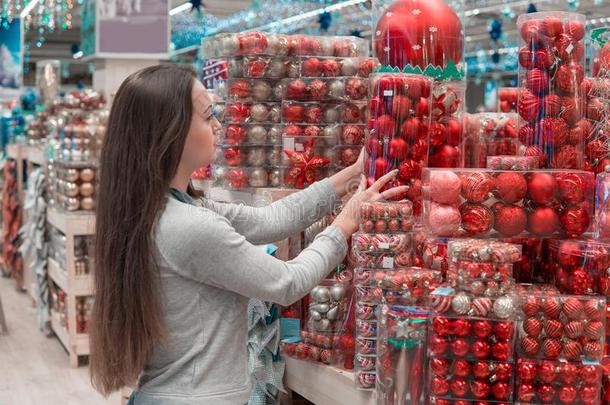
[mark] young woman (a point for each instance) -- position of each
(173, 274)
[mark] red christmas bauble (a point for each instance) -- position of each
(385, 126)
(441, 325)
(438, 345)
(413, 129)
(541, 187)
(574, 221)
(482, 329)
(398, 149)
(439, 386)
(552, 105)
(568, 77)
(529, 105)
(568, 373)
(401, 107)
(352, 134)
(501, 351)
(551, 348)
(446, 156)
(567, 395)
(543, 221)
(439, 366)
(460, 347)
(294, 113)
(311, 67)
(533, 327)
(588, 395)
(537, 81)
(546, 393)
(546, 371)
(480, 349)
(589, 374)
(477, 219)
(462, 368)
(481, 369)
(330, 68)
(409, 169)
(501, 390)
(419, 32)
(235, 135)
(526, 392)
(461, 327)
(477, 186)
(571, 110)
(296, 90)
(480, 389)
(572, 187)
(576, 30)
(510, 220)
(510, 187)
(526, 58)
(527, 370)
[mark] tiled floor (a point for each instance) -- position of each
(34, 369)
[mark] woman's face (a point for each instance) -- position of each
(199, 149)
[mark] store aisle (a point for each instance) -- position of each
(34, 369)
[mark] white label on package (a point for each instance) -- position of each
(387, 263)
(289, 144)
(299, 147)
(388, 93)
(384, 245)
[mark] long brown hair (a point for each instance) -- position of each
(145, 137)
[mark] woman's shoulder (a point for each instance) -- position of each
(182, 224)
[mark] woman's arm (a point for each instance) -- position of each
(203, 246)
(291, 214)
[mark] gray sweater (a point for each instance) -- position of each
(209, 269)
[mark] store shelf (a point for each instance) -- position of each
(15, 151)
(60, 331)
(35, 155)
(72, 223)
(79, 286)
(324, 385)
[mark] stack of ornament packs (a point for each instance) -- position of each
(295, 107)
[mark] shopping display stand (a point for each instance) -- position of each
(324, 385)
(34, 157)
(71, 225)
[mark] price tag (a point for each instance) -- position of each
(289, 144)
(299, 147)
(443, 291)
(387, 262)
(570, 48)
(388, 93)
(383, 245)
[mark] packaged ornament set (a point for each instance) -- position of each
(295, 108)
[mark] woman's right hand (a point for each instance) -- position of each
(347, 221)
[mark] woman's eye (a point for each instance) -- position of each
(209, 117)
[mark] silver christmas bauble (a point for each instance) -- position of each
(256, 156)
(331, 115)
(229, 44)
(278, 91)
(332, 131)
(274, 157)
(327, 45)
(236, 68)
(277, 69)
(315, 315)
(88, 204)
(72, 204)
(261, 90)
(322, 295)
(71, 189)
(259, 112)
(71, 174)
(321, 308)
(336, 89)
(337, 292)
(460, 304)
(503, 307)
(258, 178)
(274, 135)
(87, 189)
(257, 134)
(349, 67)
(275, 178)
(275, 114)
(333, 313)
(87, 174)
(293, 69)
(322, 325)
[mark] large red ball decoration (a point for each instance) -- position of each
(477, 219)
(510, 187)
(541, 187)
(419, 32)
(543, 221)
(601, 64)
(510, 220)
(575, 221)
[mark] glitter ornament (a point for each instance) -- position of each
(257, 134)
(510, 220)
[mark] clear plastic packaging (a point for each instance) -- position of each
(488, 203)
(489, 134)
(507, 99)
(402, 354)
(237, 178)
(239, 112)
(328, 306)
(561, 327)
(468, 380)
(254, 90)
(307, 160)
(400, 109)
(557, 382)
(249, 156)
(447, 301)
(596, 127)
(297, 112)
(446, 126)
(390, 217)
(551, 71)
(602, 206)
(273, 44)
(325, 89)
(251, 134)
(580, 267)
(518, 163)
